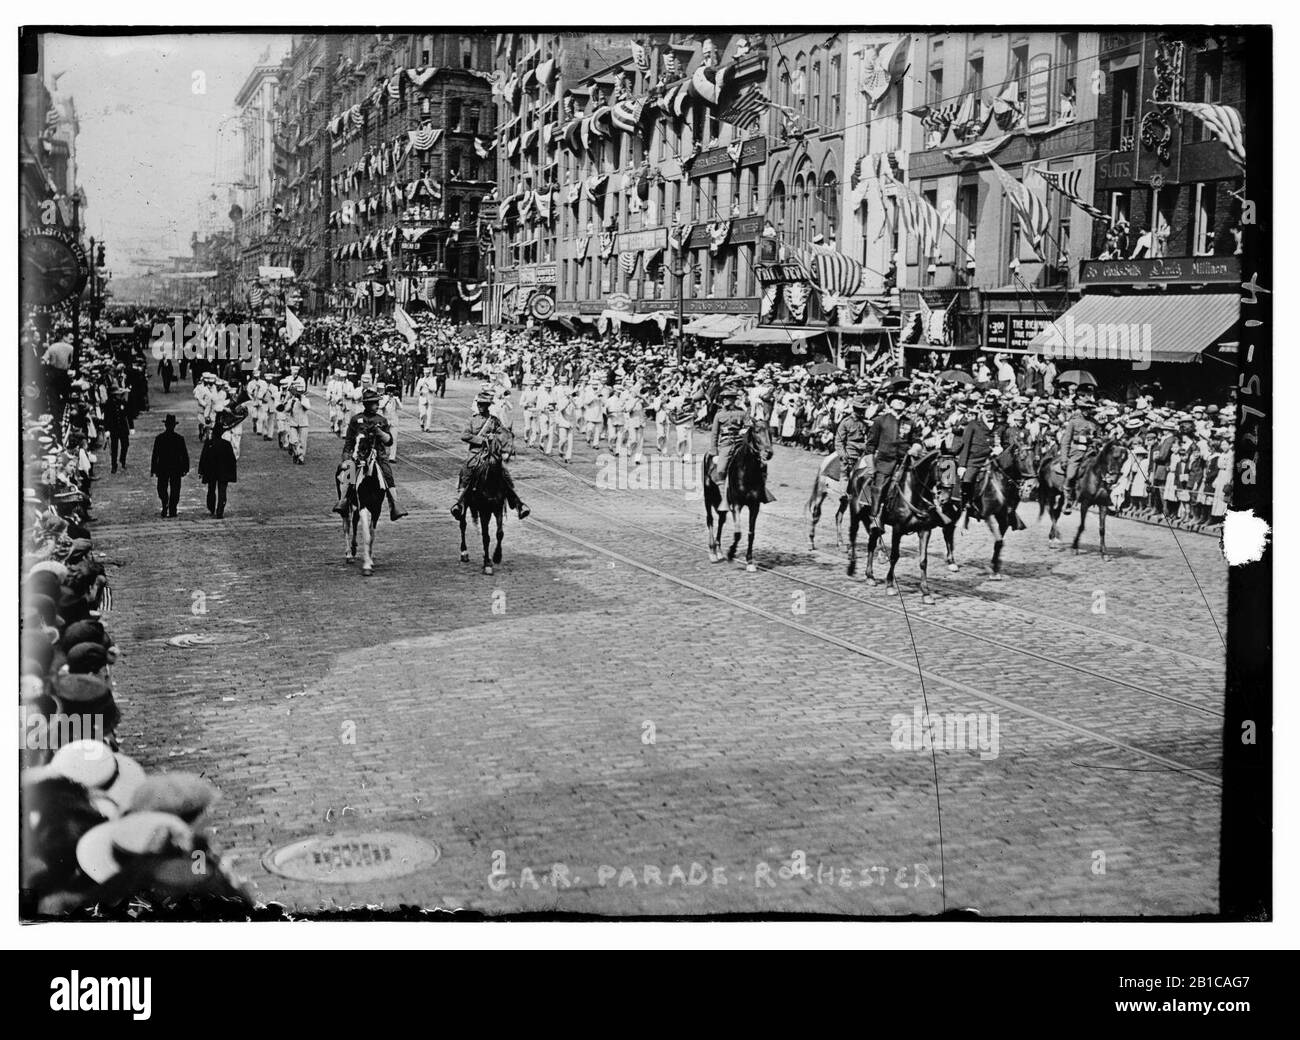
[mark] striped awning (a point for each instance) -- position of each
(718, 326)
(776, 334)
(1178, 327)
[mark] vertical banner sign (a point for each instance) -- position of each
(1038, 106)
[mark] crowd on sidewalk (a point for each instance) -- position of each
(101, 836)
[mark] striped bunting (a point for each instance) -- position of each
(639, 57)
(1034, 218)
(627, 261)
(830, 271)
(745, 110)
(918, 218)
(1224, 122)
(1067, 183)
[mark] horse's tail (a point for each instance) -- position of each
(817, 493)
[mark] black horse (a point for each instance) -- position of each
(995, 497)
(365, 500)
(746, 489)
(1098, 472)
(485, 496)
(920, 497)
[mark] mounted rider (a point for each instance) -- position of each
(981, 441)
(481, 431)
(1076, 439)
(731, 425)
(370, 420)
(893, 436)
(851, 438)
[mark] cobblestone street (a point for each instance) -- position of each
(679, 735)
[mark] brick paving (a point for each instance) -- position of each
(673, 732)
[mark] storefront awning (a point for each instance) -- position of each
(276, 273)
(1173, 326)
(718, 326)
(772, 334)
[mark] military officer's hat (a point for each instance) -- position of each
(859, 404)
(900, 388)
(369, 395)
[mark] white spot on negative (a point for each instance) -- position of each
(1244, 537)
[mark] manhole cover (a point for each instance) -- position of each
(345, 858)
(190, 640)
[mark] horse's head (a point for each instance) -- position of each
(935, 483)
(1019, 462)
(365, 445)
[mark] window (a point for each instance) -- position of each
(467, 52)
(833, 110)
(830, 206)
(1203, 230)
(801, 86)
(695, 200)
(778, 205)
(1067, 61)
(934, 87)
(783, 98)
(975, 76)
(1124, 110)
(967, 228)
(927, 276)
(1209, 83)
(453, 114)
(1020, 67)
(815, 107)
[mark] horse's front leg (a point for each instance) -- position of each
(839, 520)
(1083, 516)
(721, 515)
(496, 553)
(464, 549)
(1101, 528)
(923, 551)
(895, 540)
(998, 529)
(749, 548)
(853, 545)
(815, 518)
(364, 521)
(484, 520)
(1054, 511)
(949, 553)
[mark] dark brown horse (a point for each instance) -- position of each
(1098, 472)
(995, 497)
(921, 496)
(485, 496)
(746, 489)
(364, 502)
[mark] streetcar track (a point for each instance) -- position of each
(899, 613)
(856, 648)
(944, 584)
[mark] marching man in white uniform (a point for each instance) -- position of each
(390, 407)
(425, 389)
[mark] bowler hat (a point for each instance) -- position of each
(169, 420)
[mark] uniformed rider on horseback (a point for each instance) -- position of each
(481, 431)
(851, 438)
(892, 438)
(1076, 438)
(369, 420)
(983, 439)
(731, 425)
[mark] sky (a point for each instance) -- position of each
(152, 139)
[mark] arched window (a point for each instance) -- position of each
(798, 210)
(815, 87)
(783, 98)
(830, 199)
(778, 205)
(808, 204)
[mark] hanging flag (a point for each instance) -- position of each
(1067, 183)
(1033, 215)
(404, 324)
(856, 175)
(679, 237)
(707, 83)
(1006, 107)
(672, 65)
(917, 217)
(424, 138)
(796, 299)
(627, 261)
(767, 309)
(546, 73)
(978, 150)
(292, 326)
(1224, 123)
(744, 112)
(639, 57)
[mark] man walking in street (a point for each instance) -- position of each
(171, 461)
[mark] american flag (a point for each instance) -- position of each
(1034, 218)
(918, 218)
(1067, 183)
(745, 110)
(1224, 122)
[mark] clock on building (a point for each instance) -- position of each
(52, 266)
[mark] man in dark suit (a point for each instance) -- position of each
(892, 437)
(980, 441)
(171, 461)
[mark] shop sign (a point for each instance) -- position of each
(718, 160)
(1014, 331)
(727, 305)
(1166, 270)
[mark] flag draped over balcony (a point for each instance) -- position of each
(1032, 213)
(1067, 183)
(1224, 123)
(917, 217)
(833, 273)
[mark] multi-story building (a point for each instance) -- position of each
(256, 102)
(48, 186)
(410, 130)
(1023, 101)
(301, 194)
(627, 195)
